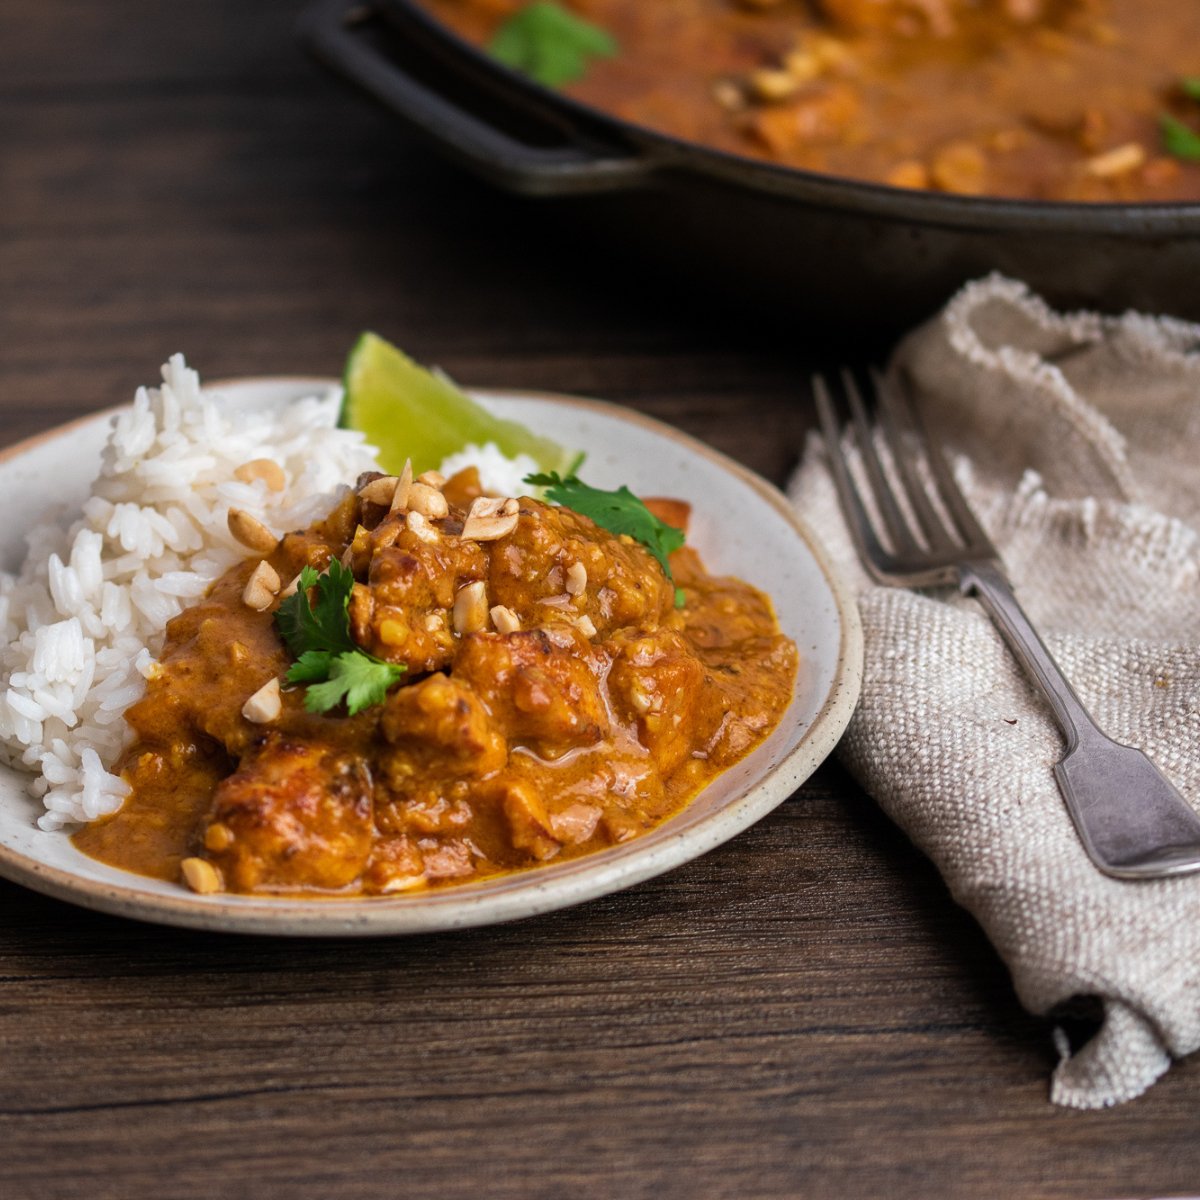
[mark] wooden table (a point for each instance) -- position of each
(803, 1012)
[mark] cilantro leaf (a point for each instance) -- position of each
(618, 512)
(1178, 139)
(357, 678)
(550, 44)
(311, 667)
(328, 659)
(322, 624)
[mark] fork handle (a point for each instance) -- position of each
(988, 583)
(1132, 821)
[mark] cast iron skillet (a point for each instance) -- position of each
(801, 244)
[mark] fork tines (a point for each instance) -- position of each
(910, 521)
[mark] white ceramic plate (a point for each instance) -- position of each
(741, 525)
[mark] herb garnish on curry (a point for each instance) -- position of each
(451, 686)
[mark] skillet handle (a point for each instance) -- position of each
(533, 170)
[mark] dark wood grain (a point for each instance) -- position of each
(803, 1012)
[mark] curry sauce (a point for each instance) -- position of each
(556, 701)
(1033, 99)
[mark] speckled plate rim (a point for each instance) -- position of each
(753, 788)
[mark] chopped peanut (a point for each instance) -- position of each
(803, 65)
(417, 524)
(265, 705)
(729, 95)
(400, 495)
(504, 619)
(771, 85)
(577, 578)
(265, 469)
(260, 589)
(380, 491)
(471, 608)
(200, 875)
(488, 520)
(428, 501)
(1120, 161)
(251, 532)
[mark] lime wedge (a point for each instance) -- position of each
(410, 412)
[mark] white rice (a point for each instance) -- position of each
(498, 474)
(85, 617)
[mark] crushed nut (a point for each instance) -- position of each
(380, 491)
(291, 588)
(433, 479)
(728, 95)
(504, 619)
(433, 622)
(403, 483)
(511, 506)
(265, 469)
(471, 608)
(217, 837)
(802, 65)
(200, 875)
(585, 626)
(427, 501)
(265, 705)
(1120, 161)
(487, 521)
(830, 52)
(261, 587)
(417, 524)
(251, 532)
(772, 85)
(576, 579)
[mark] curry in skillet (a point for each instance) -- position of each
(530, 687)
(1077, 100)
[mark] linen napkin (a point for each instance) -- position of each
(1076, 439)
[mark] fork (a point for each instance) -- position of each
(1132, 821)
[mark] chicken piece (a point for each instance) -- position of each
(293, 815)
(528, 822)
(540, 690)
(530, 570)
(401, 613)
(657, 681)
(440, 723)
(396, 866)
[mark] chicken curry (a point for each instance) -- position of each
(1077, 100)
(548, 690)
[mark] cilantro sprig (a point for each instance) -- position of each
(330, 664)
(1178, 138)
(550, 44)
(619, 512)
